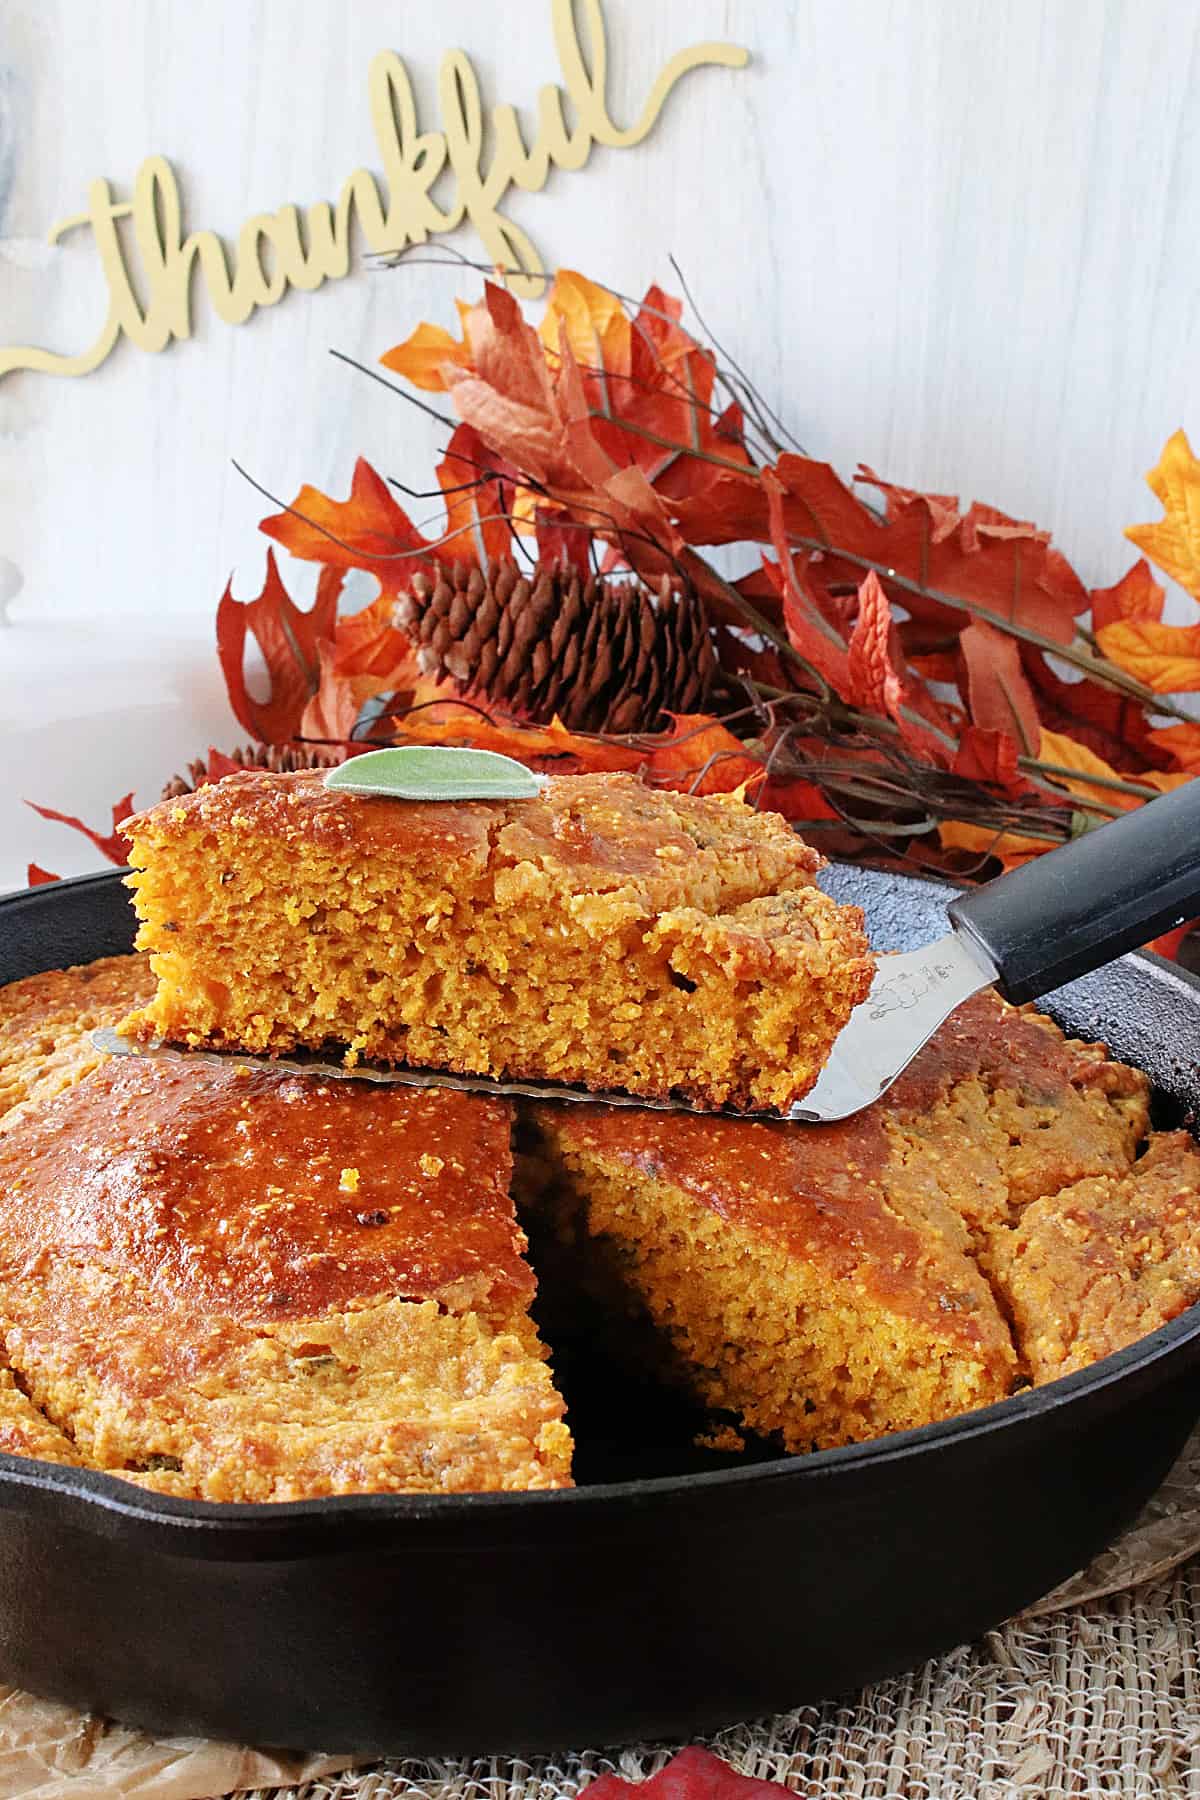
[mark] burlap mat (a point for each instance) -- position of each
(1093, 1691)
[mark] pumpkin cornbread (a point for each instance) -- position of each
(602, 934)
(46, 1025)
(1101, 1263)
(986, 1223)
(234, 1284)
(237, 1285)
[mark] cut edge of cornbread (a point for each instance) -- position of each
(745, 1326)
(1049, 1229)
(397, 1397)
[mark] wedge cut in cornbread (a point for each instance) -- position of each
(228, 1284)
(602, 934)
(985, 1225)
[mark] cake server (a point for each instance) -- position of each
(1061, 915)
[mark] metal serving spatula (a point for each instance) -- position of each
(1060, 916)
(1027, 932)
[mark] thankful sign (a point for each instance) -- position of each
(144, 238)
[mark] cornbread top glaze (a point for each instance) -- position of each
(264, 1197)
(586, 833)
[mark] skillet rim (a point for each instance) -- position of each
(192, 1525)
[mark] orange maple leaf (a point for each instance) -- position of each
(880, 681)
(423, 357)
(1066, 753)
(369, 530)
(1163, 657)
(997, 690)
(1136, 596)
(1011, 848)
(987, 755)
(1174, 542)
(593, 322)
(368, 655)
(1181, 743)
(699, 755)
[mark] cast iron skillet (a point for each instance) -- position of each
(660, 1597)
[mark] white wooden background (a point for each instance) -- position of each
(957, 239)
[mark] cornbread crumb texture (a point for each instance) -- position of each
(46, 1022)
(191, 1296)
(985, 1225)
(603, 933)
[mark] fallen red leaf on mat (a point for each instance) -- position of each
(694, 1774)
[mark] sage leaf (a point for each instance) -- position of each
(435, 772)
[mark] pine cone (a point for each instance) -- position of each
(605, 656)
(282, 759)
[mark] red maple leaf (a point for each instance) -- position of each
(998, 695)
(110, 845)
(289, 640)
(881, 682)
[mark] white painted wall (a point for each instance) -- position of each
(956, 239)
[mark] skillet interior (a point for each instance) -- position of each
(644, 1492)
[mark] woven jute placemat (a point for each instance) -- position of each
(1093, 1691)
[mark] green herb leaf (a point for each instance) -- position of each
(433, 772)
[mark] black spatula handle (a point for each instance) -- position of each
(1076, 908)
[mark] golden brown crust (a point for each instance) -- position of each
(234, 1284)
(603, 934)
(587, 834)
(266, 1197)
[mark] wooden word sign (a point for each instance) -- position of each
(302, 248)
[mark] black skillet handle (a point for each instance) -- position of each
(1070, 911)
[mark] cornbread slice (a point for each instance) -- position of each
(46, 1025)
(826, 1284)
(236, 1285)
(602, 934)
(1098, 1265)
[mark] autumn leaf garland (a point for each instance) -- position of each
(905, 674)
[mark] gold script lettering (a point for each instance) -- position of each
(289, 249)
